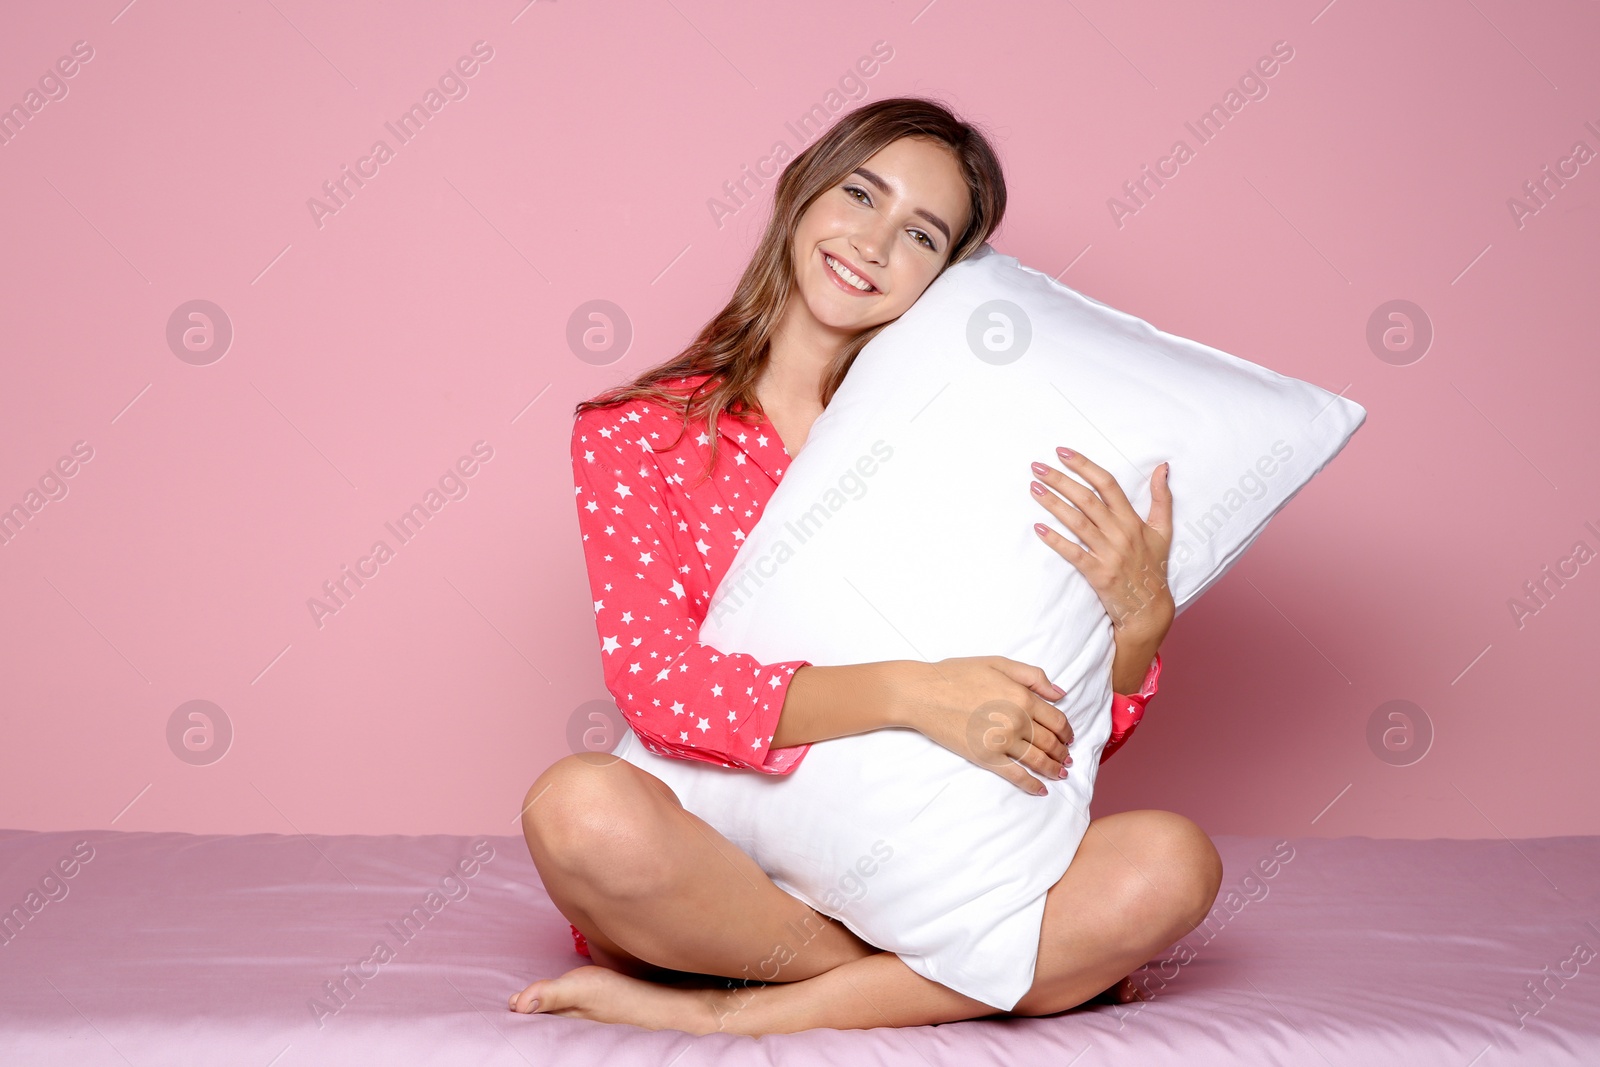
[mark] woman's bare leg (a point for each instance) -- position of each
(1139, 881)
(657, 892)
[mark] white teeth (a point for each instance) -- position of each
(847, 274)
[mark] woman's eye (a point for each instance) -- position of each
(851, 190)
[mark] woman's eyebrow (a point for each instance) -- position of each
(883, 185)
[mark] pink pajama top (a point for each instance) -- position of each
(656, 541)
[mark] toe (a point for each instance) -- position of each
(528, 1000)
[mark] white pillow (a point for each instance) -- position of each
(903, 530)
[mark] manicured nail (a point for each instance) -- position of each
(1065, 453)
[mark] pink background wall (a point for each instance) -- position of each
(374, 346)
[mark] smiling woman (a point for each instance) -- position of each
(862, 222)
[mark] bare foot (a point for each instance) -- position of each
(604, 995)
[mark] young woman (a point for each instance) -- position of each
(863, 221)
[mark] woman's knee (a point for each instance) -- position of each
(598, 817)
(1174, 871)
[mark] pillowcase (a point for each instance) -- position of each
(903, 530)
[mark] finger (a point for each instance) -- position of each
(1047, 719)
(1038, 681)
(1086, 498)
(1109, 488)
(1083, 559)
(1092, 511)
(997, 739)
(1161, 501)
(1042, 750)
(1054, 769)
(1054, 728)
(1039, 741)
(1072, 515)
(1039, 749)
(1044, 730)
(1035, 760)
(1017, 776)
(1029, 675)
(1021, 752)
(1013, 771)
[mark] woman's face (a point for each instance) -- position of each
(891, 223)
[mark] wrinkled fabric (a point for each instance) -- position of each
(171, 948)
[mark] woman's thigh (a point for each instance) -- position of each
(1140, 881)
(651, 884)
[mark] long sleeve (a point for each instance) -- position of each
(1128, 711)
(681, 697)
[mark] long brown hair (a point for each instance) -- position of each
(733, 346)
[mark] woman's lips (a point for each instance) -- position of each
(842, 284)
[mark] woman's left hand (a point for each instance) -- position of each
(1126, 557)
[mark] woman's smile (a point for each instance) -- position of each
(833, 266)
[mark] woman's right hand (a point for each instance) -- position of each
(993, 711)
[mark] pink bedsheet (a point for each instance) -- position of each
(169, 948)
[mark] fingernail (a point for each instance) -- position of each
(1040, 469)
(1043, 789)
(1065, 453)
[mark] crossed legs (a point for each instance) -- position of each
(667, 904)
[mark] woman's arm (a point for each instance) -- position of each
(1128, 711)
(1137, 641)
(683, 698)
(827, 702)
(1132, 661)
